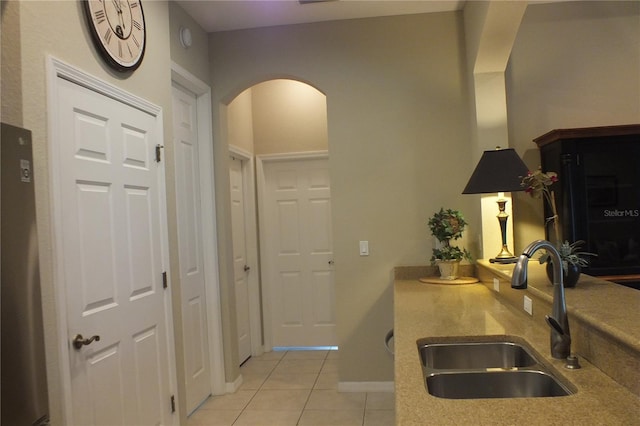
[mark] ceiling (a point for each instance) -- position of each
(225, 15)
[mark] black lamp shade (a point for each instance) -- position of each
(500, 170)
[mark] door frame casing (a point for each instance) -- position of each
(56, 70)
(251, 237)
(261, 160)
(202, 92)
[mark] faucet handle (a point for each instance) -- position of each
(553, 323)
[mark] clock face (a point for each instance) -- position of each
(118, 30)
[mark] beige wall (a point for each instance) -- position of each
(194, 59)
(278, 116)
(11, 77)
(574, 64)
(288, 116)
(240, 122)
(397, 132)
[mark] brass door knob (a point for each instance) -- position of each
(79, 341)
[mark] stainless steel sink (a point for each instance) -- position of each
(497, 367)
(474, 355)
(495, 384)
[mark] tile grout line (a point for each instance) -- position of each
(259, 388)
(364, 408)
(312, 388)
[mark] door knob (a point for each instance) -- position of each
(246, 268)
(331, 262)
(79, 341)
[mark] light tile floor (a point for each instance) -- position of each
(295, 388)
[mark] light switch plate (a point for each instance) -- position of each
(528, 305)
(364, 248)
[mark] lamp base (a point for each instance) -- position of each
(504, 260)
(505, 256)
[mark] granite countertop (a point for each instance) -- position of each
(431, 310)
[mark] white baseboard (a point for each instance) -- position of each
(231, 387)
(365, 387)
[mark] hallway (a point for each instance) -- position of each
(295, 388)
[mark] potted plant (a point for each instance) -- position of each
(447, 225)
(572, 262)
(537, 184)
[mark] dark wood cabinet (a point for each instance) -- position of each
(598, 195)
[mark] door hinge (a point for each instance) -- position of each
(173, 404)
(159, 153)
(165, 284)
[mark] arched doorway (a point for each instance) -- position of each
(274, 124)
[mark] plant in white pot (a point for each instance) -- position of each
(447, 225)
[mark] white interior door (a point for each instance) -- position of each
(110, 209)
(190, 249)
(299, 264)
(241, 269)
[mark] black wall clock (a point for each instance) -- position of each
(118, 31)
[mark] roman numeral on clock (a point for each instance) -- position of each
(99, 15)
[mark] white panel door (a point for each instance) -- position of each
(112, 240)
(241, 269)
(300, 253)
(190, 249)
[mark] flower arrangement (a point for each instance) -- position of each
(447, 225)
(537, 184)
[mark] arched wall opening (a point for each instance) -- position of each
(274, 118)
(278, 116)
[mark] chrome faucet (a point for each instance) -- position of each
(558, 321)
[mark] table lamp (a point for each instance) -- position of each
(500, 170)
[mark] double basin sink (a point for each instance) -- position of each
(461, 368)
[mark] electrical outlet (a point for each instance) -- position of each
(496, 285)
(528, 305)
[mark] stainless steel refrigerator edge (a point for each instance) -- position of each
(24, 381)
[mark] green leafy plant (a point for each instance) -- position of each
(447, 225)
(570, 253)
(450, 253)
